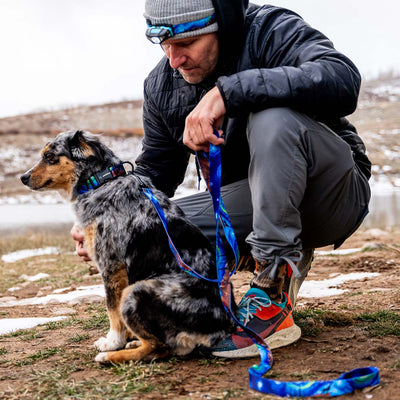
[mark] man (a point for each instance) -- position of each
(294, 171)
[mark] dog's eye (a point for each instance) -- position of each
(49, 157)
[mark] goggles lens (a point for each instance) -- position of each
(157, 34)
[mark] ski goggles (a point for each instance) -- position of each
(158, 33)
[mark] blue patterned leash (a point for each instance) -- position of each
(210, 164)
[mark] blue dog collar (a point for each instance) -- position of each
(101, 177)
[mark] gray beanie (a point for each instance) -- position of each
(173, 12)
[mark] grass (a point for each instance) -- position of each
(64, 269)
(3, 351)
(31, 333)
(313, 321)
(39, 355)
(98, 321)
(127, 381)
(380, 323)
(79, 338)
(62, 240)
(396, 364)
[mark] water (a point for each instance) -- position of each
(384, 210)
(22, 216)
(384, 213)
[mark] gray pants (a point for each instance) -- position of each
(303, 191)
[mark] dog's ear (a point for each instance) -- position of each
(79, 148)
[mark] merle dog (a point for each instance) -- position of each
(147, 294)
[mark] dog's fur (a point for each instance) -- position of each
(147, 294)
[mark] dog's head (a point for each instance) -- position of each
(67, 161)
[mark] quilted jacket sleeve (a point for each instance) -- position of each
(296, 66)
(162, 159)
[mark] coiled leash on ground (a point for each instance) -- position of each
(210, 165)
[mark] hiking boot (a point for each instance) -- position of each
(270, 278)
(292, 283)
(272, 321)
(273, 278)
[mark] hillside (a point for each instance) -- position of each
(378, 122)
(120, 118)
(377, 119)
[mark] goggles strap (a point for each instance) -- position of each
(159, 33)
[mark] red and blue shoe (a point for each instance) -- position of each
(272, 321)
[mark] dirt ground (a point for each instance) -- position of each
(55, 361)
(358, 328)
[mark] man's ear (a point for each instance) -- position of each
(79, 148)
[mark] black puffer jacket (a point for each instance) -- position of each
(269, 58)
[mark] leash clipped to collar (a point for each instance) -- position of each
(108, 174)
(210, 165)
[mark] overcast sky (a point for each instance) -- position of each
(57, 53)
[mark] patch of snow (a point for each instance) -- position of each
(33, 278)
(391, 91)
(386, 168)
(13, 289)
(340, 252)
(324, 288)
(329, 287)
(80, 293)
(21, 254)
(9, 325)
(375, 168)
(394, 131)
(33, 198)
(62, 290)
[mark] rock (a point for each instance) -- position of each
(89, 299)
(53, 301)
(376, 233)
(7, 298)
(64, 310)
(372, 246)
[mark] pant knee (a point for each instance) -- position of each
(274, 126)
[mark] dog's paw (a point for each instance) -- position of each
(101, 358)
(101, 344)
(133, 344)
(113, 341)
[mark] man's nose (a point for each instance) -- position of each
(176, 57)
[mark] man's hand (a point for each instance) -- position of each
(206, 117)
(79, 238)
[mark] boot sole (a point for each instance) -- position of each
(281, 338)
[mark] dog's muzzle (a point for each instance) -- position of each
(25, 178)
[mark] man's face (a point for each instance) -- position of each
(194, 57)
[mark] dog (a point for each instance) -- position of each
(148, 296)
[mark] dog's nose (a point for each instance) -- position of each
(25, 178)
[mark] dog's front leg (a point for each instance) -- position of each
(114, 283)
(115, 279)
